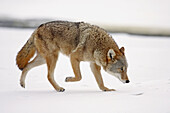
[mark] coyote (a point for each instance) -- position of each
(81, 42)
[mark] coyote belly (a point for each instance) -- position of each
(81, 42)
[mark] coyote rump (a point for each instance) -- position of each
(81, 42)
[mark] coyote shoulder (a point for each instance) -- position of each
(81, 42)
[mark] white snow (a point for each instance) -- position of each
(148, 92)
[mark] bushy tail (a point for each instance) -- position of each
(26, 53)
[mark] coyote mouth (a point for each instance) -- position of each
(123, 81)
(119, 77)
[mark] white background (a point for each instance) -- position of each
(147, 13)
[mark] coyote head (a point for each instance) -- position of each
(117, 65)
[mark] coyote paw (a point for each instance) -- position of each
(107, 89)
(60, 89)
(72, 79)
(68, 79)
(22, 84)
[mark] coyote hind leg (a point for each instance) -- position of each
(51, 63)
(37, 61)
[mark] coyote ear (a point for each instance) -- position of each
(111, 54)
(122, 50)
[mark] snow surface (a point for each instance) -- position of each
(148, 70)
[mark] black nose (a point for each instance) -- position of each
(127, 81)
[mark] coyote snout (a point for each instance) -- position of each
(122, 79)
(81, 42)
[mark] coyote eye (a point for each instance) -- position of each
(121, 68)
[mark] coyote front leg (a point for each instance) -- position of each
(96, 71)
(76, 69)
